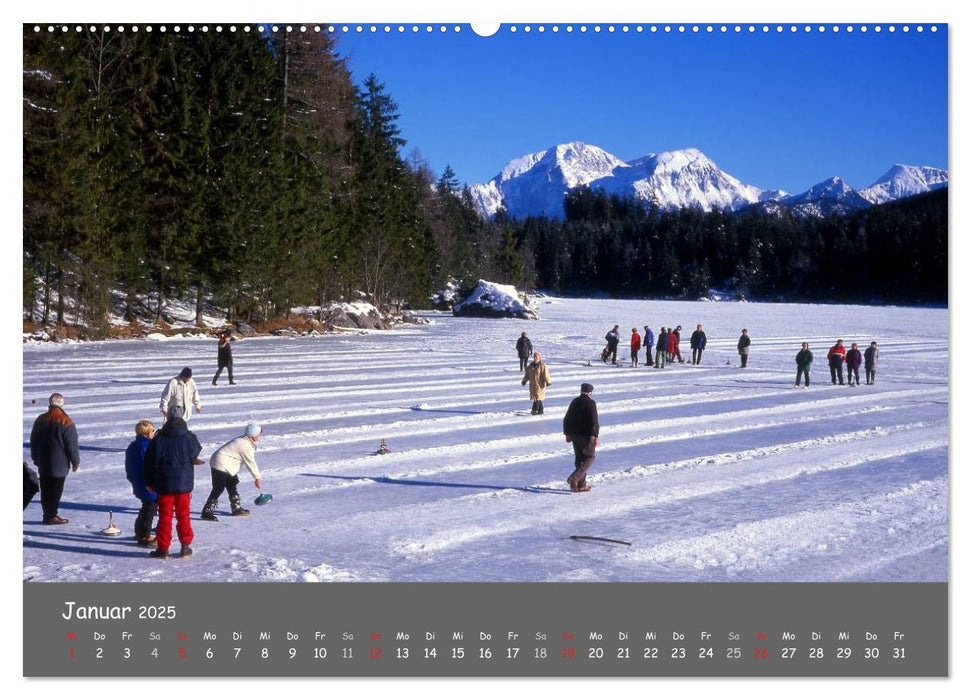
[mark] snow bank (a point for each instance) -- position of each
(492, 300)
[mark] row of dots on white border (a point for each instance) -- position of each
(667, 28)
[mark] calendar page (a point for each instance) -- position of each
(392, 349)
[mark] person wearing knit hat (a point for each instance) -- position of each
(225, 464)
(181, 392)
(581, 426)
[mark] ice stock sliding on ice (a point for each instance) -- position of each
(299, 305)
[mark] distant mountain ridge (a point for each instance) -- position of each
(535, 184)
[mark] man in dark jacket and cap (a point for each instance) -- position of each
(54, 451)
(169, 472)
(804, 358)
(744, 343)
(581, 426)
(524, 346)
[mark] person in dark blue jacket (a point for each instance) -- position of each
(169, 472)
(135, 471)
(698, 343)
(647, 343)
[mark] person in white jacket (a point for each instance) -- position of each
(181, 391)
(225, 464)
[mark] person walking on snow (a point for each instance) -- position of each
(581, 426)
(870, 357)
(836, 357)
(804, 358)
(169, 472)
(744, 342)
(698, 342)
(135, 472)
(54, 451)
(854, 358)
(225, 464)
(181, 391)
(224, 357)
(538, 377)
(635, 346)
(662, 348)
(524, 347)
(613, 340)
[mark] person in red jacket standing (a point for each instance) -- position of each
(635, 346)
(854, 358)
(836, 357)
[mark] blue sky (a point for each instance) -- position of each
(775, 110)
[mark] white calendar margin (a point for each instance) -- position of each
(489, 11)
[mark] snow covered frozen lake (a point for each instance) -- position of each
(712, 473)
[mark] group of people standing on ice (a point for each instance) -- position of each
(159, 465)
(837, 357)
(580, 424)
(666, 350)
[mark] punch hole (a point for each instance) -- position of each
(485, 29)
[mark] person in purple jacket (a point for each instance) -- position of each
(854, 358)
(135, 471)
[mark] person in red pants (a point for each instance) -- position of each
(169, 472)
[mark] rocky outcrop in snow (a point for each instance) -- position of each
(492, 300)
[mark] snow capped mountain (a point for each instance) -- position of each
(536, 183)
(903, 181)
(830, 196)
(675, 179)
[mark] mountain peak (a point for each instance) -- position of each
(903, 181)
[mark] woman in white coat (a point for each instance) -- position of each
(225, 464)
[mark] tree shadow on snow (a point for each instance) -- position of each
(414, 482)
(89, 448)
(99, 508)
(130, 548)
(446, 410)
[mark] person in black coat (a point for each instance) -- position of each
(224, 357)
(804, 358)
(169, 472)
(698, 343)
(870, 357)
(743, 345)
(54, 451)
(524, 346)
(613, 340)
(30, 485)
(662, 348)
(581, 426)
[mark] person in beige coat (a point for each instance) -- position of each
(181, 391)
(538, 377)
(225, 464)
